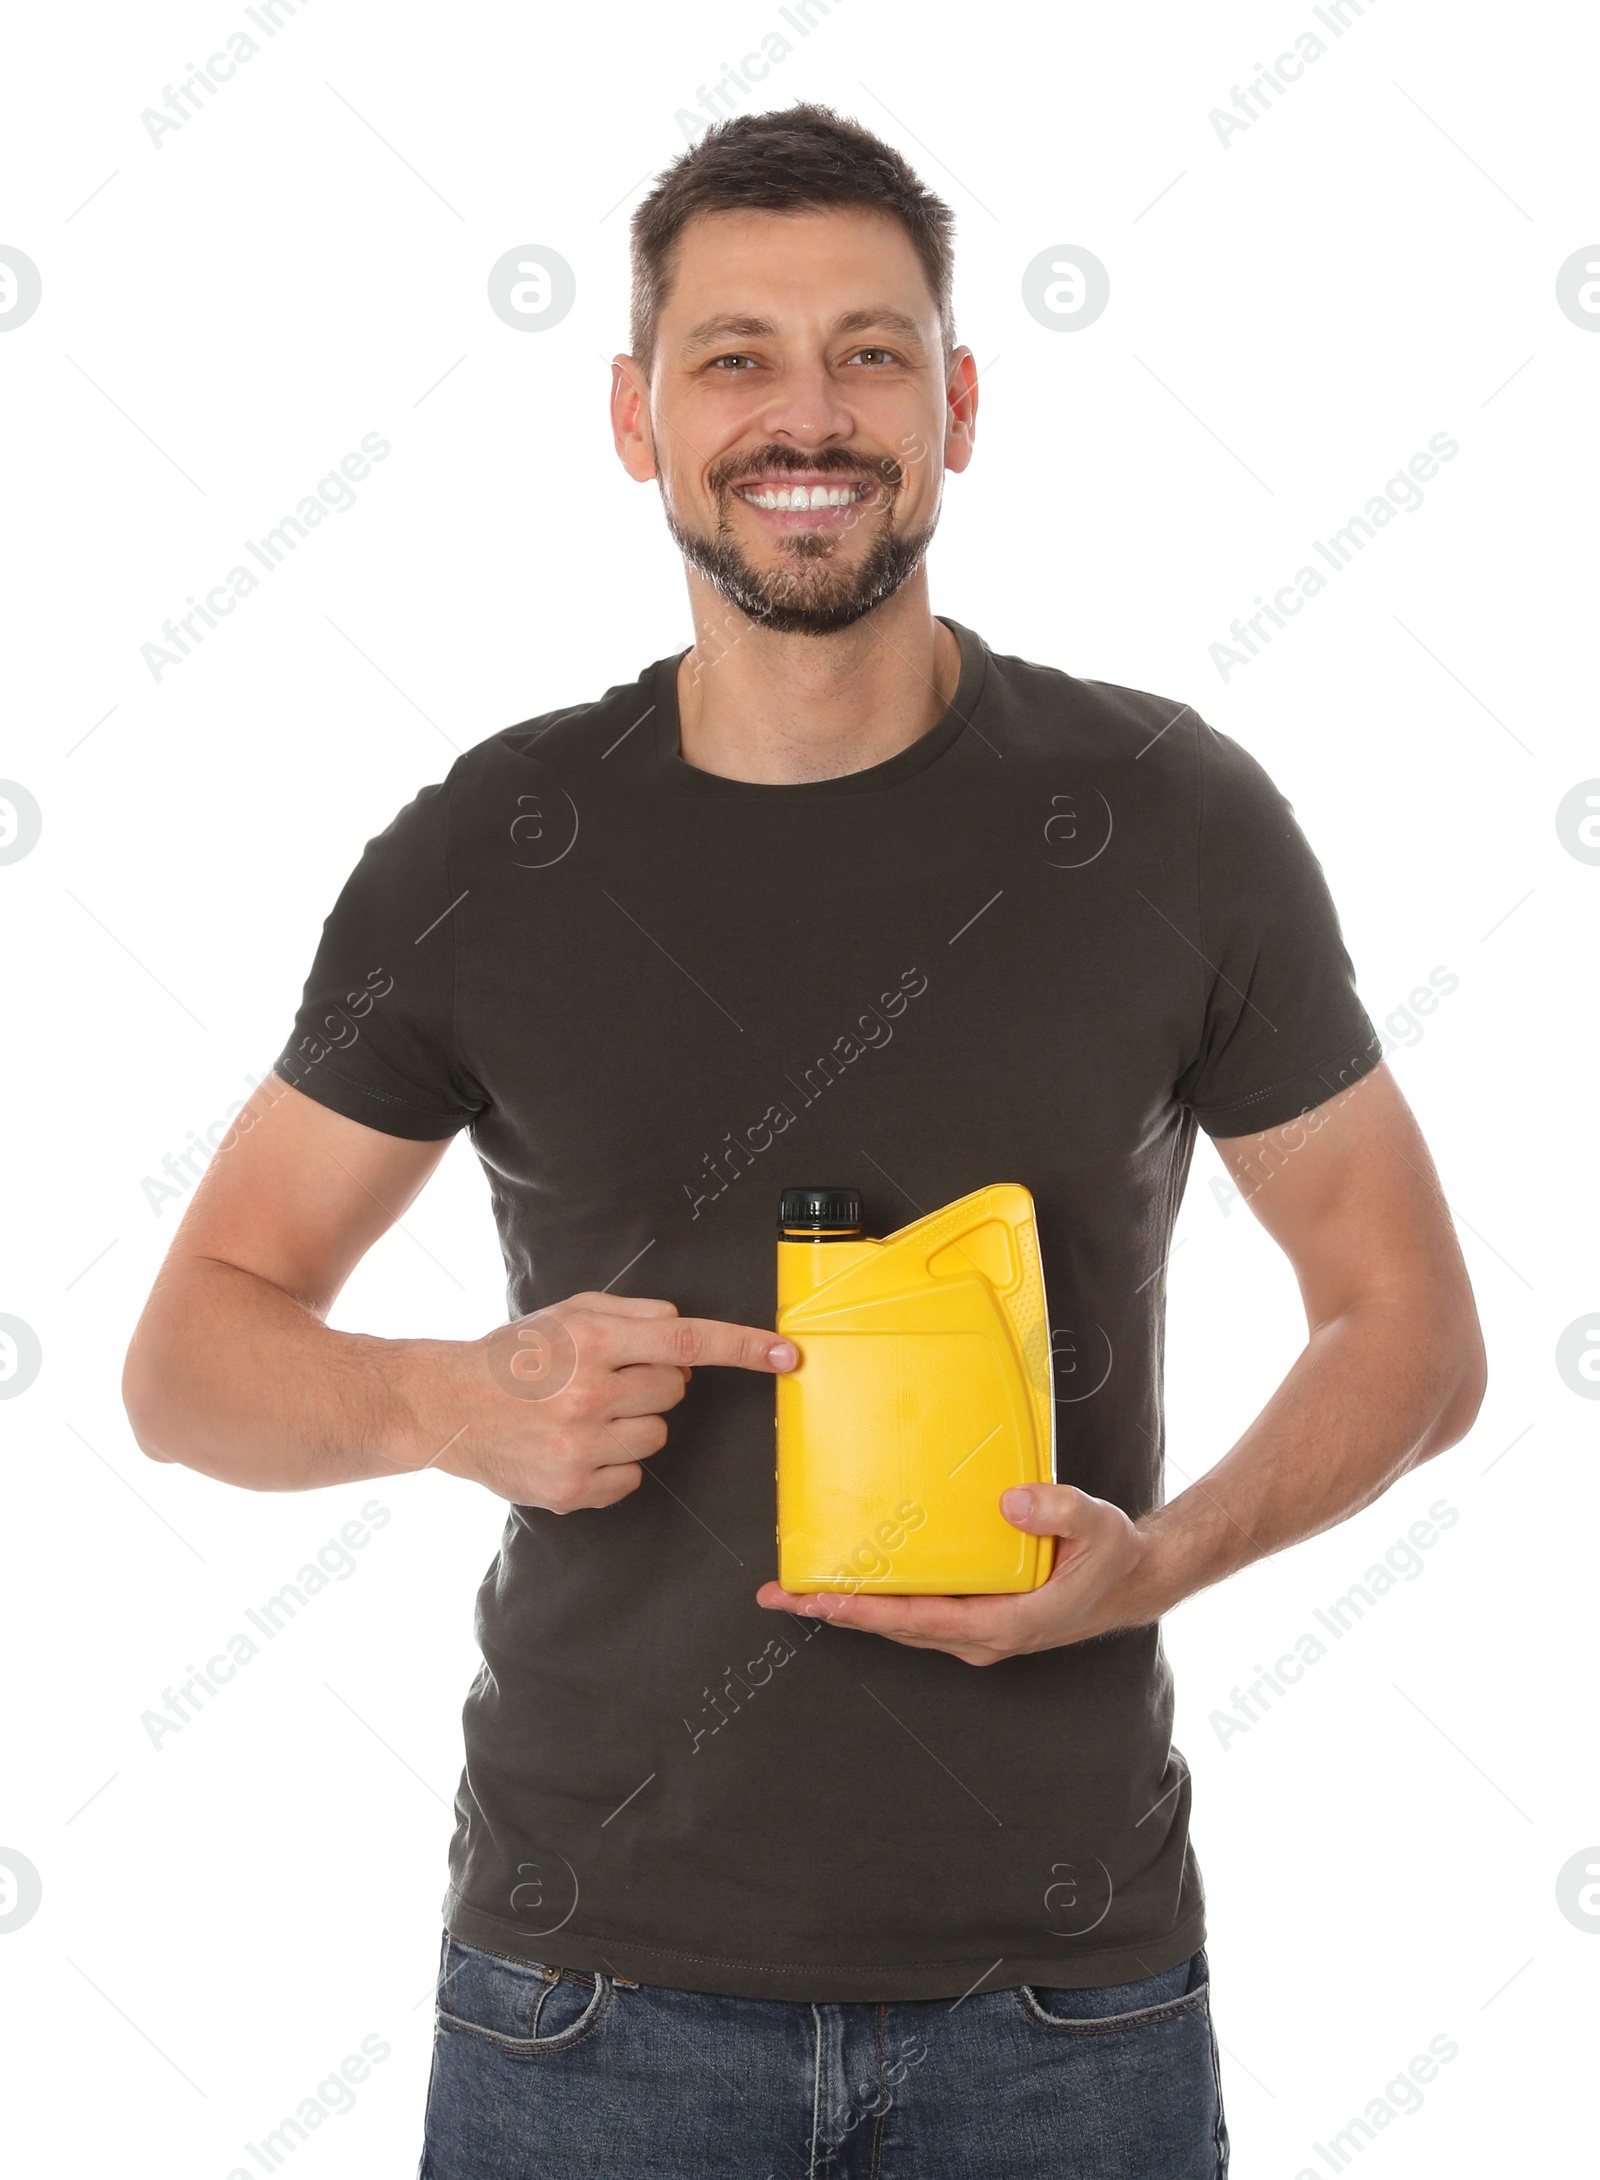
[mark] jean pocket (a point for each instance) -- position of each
(1106, 2008)
(524, 2009)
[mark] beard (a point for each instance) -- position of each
(809, 593)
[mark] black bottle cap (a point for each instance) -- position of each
(818, 1208)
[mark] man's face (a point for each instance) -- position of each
(798, 418)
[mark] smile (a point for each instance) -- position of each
(801, 498)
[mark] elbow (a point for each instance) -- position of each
(1461, 1411)
(1464, 1381)
(142, 1402)
(144, 1424)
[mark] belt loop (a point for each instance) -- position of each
(816, 2095)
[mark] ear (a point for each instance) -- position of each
(961, 404)
(630, 419)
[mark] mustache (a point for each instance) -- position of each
(882, 469)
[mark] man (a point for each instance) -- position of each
(836, 895)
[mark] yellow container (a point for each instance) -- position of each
(922, 1392)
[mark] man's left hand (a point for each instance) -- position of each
(1105, 1577)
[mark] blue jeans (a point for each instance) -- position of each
(547, 2074)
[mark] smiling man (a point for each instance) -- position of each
(746, 1883)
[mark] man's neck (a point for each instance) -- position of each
(753, 705)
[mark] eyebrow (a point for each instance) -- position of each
(876, 318)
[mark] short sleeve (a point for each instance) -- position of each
(374, 1038)
(1283, 1028)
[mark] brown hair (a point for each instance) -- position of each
(803, 158)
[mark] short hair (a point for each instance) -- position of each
(804, 158)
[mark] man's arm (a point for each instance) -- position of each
(1392, 1372)
(233, 1370)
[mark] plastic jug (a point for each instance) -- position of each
(922, 1392)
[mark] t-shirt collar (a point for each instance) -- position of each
(904, 764)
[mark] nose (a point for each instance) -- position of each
(806, 409)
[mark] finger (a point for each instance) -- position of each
(971, 1650)
(688, 1342)
(630, 1438)
(937, 1620)
(1048, 1510)
(621, 1305)
(613, 1482)
(644, 1389)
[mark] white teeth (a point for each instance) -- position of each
(785, 500)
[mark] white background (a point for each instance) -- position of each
(1292, 316)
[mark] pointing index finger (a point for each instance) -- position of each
(688, 1342)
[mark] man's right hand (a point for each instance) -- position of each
(234, 1370)
(558, 1409)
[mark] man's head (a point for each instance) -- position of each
(792, 334)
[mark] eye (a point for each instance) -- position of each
(736, 362)
(887, 354)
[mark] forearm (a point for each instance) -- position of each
(230, 1375)
(1374, 1391)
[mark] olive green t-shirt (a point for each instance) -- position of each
(1043, 944)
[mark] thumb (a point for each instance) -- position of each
(1047, 1510)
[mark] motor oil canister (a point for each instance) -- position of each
(922, 1392)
